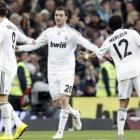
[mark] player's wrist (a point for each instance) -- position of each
(87, 56)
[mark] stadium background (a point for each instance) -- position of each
(90, 18)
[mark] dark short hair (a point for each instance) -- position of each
(129, 2)
(62, 8)
(115, 22)
(104, 2)
(3, 9)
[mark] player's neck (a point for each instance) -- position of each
(61, 26)
(1, 19)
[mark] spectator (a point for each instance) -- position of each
(106, 86)
(50, 6)
(75, 23)
(38, 26)
(78, 89)
(90, 90)
(26, 58)
(96, 22)
(15, 18)
(45, 15)
(70, 5)
(129, 8)
(40, 99)
(88, 7)
(31, 32)
(116, 6)
(90, 73)
(131, 18)
(50, 23)
(13, 7)
(137, 25)
(26, 21)
(34, 60)
(105, 11)
(21, 87)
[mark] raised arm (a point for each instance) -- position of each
(99, 53)
(84, 42)
(24, 39)
(103, 50)
(40, 41)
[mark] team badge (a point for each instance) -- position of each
(66, 37)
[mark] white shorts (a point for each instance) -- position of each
(5, 82)
(125, 87)
(60, 84)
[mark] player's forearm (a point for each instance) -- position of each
(90, 46)
(23, 38)
(87, 44)
(29, 41)
(28, 47)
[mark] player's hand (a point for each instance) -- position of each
(16, 48)
(82, 56)
(33, 41)
(108, 56)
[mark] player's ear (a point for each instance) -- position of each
(122, 26)
(66, 17)
(6, 12)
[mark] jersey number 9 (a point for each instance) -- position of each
(13, 39)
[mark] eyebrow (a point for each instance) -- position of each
(58, 14)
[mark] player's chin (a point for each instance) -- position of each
(59, 24)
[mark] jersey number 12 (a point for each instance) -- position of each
(126, 47)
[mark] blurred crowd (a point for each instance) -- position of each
(90, 18)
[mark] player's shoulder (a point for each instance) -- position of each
(107, 40)
(2, 25)
(131, 31)
(48, 30)
(6, 24)
(72, 30)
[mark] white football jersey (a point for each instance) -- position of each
(124, 47)
(62, 43)
(9, 35)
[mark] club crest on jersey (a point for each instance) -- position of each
(66, 37)
(58, 45)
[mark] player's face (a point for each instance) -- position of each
(60, 18)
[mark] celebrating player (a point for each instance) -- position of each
(9, 35)
(124, 47)
(62, 41)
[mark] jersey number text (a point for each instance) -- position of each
(68, 88)
(13, 38)
(126, 47)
